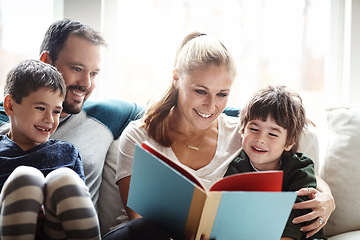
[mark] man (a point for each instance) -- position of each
(75, 50)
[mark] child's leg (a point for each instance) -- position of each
(69, 211)
(21, 199)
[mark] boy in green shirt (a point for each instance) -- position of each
(271, 126)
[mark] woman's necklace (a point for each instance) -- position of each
(196, 148)
(193, 147)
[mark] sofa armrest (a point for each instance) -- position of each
(341, 167)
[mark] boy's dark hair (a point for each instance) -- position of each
(30, 75)
(283, 106)
(58, 32)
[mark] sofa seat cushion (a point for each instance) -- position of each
(355, 235)
(341, 169)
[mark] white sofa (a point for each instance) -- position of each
(340, 168)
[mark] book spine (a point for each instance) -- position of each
(195, 210)
(209, 214)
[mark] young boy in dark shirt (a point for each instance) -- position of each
(271, 126)
(38, 176)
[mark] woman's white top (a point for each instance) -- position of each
(228, 147)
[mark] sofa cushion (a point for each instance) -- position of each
(341, 168)
(355, 235)
(110, 208)
(309, 145)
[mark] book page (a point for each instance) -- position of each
(251, 181)
(252, 215)
(160, 193)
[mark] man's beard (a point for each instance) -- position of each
(74, 108)
(71, 108)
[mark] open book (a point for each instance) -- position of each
(241, 206)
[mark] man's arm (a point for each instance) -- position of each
(322, 204)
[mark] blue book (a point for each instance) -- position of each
(241, 206)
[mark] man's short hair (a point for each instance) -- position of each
(58, 32)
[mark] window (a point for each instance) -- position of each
(273, 42)
(22, 27)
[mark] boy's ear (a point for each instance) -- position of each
(289, 147)
(45, 57)
(8, 105)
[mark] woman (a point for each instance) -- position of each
(187, 126)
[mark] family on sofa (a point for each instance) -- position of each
(187, 121)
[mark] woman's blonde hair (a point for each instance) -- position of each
(196, 52)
